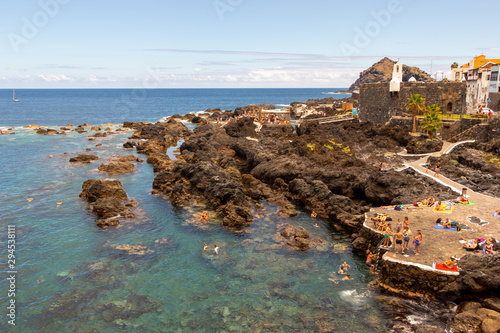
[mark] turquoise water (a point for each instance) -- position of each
(71, 280)
(86, 285)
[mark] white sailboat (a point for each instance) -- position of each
(14, 96)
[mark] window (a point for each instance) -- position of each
(494, 76)
(487, 77)
(480, 75)
(457, 76)
(449, 107)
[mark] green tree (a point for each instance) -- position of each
(431, 122)
(454, 65)
(416, 104)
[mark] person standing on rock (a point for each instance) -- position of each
(369, 261)
(406, 238)
(418, 241)
(399, 240)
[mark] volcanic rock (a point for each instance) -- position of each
(117, 167)
(382, 72)
(83, 158)
(422, 145)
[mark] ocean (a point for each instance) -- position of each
(68, 277)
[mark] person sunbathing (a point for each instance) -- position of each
(431, 201)
(450, 263)
(439, 206)
(382, 226)
(470, 245)
(447, 224)
(462, 200)
(378, 219)
(488, 248)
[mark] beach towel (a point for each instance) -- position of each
(470, 203)
(443, 228)
(496, 214)
(443, 267)
(444, 209)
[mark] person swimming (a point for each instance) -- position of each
(345, 278)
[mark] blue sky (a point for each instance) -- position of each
(233, 43)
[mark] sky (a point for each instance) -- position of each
(234, 43)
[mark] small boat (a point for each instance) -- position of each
(14, 96)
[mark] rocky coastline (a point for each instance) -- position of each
(329, 169)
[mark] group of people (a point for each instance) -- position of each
(216, 248)
(402, 234)
(474, 244)
(342, 270)
(436, 169)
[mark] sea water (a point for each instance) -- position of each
(69, 278)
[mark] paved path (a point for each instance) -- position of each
(438, 245)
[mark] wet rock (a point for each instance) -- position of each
(295, 237)
(107, 197)
(492, 303)
(490, 325)
(487, 313)
(117, 167)
(83, 158)
(129, 144)
(48, 131)
(468, 306)
(198, 120)
(128, 158)
(133, 250)
(466, 322)
(99, 135)
(105, 223)
(243, 127)
(132, 307)
(94, 189)
(428, 329)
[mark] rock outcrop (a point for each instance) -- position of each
(423, 145)
(114, 168)
(296, 237)
(382, 72)
(107, 199)
(84, 158)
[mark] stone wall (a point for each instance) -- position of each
(413, 280)
(378, 105)
(495, 102)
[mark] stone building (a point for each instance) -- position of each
(378, 102)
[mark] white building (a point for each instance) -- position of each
(478, 86)
(495, 79)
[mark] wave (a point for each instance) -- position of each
(354, 298)
(336, 93)
(283, 105)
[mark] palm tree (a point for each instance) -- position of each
(454, 65)
(431, 122)
(416, 103)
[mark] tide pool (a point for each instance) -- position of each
(70, 279)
